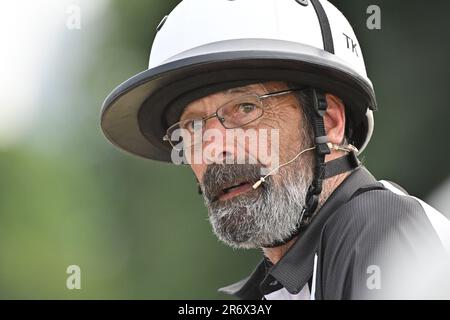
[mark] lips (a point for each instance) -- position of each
(224, 182)
(234, 190)
(227, 190)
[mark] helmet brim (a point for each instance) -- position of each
(136, 114)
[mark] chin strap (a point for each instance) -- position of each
(320, 106)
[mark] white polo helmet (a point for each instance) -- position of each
(206, 46)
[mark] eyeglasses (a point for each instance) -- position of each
(236, 113)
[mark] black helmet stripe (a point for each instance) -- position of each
(327, 36)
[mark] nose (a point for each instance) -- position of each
(216, 148)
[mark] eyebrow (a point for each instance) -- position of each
(228, 92)
(236, 90)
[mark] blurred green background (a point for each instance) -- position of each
(137, 228)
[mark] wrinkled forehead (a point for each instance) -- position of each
(199, 106)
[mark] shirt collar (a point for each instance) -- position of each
(295, 269)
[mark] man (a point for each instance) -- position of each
(230, 80)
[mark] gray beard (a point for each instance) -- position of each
(259, 218)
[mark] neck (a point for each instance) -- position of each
(275, 254)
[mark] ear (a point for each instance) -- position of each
(334, 119)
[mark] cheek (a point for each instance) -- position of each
(199, 170)
(287, 121)
(284, 117)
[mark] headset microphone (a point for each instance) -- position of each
(348, 148)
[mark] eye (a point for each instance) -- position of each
(247, 108)
(192, 124)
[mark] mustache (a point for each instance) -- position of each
(219, 177)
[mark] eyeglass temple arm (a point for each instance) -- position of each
(280, 93)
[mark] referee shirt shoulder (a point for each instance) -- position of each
(367, 232)
(376, 211)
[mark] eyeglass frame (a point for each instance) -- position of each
(222, 120)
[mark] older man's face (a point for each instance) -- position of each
(240, 215)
